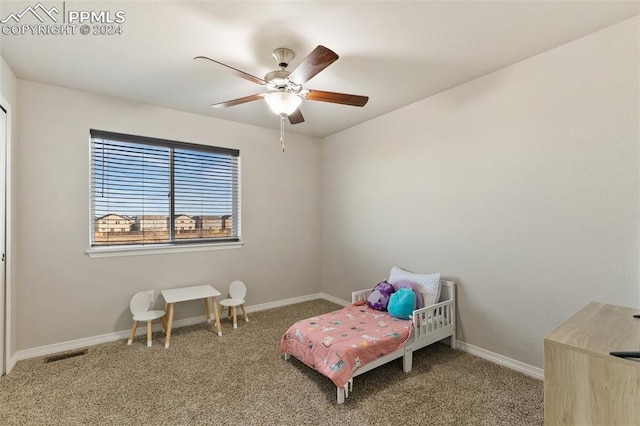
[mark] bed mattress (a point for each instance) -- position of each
(338, 343)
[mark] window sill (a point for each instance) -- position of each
(159, 249)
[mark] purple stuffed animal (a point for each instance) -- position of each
(379, 297)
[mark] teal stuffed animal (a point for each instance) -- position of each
(402, 303)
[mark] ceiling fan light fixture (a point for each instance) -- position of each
(283, 102)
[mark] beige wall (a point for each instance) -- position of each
(65, 295)
(522, 186)
(9, 91)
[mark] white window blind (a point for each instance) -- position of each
(153, 191)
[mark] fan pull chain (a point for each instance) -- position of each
(282, 131)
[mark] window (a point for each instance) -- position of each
(147, 183)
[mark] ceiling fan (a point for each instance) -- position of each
(285, 89)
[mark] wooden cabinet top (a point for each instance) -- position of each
(599, 329)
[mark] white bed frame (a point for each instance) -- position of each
(425, 332)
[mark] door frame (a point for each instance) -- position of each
(6, 360)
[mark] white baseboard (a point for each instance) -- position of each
(11, 363)
(284, 302)
(124, 334)
(529, 370)
(334, 299)
(96, 340)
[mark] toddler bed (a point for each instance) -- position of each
(356, 339)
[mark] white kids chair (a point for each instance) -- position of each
(139, 306)
(237, 293)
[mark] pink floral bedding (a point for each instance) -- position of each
(338, 343)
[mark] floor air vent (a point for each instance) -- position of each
(67, 355)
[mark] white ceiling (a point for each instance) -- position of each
(395, 52)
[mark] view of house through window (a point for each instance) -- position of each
(154, 191)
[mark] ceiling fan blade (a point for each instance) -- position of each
(336, 98)
(238, 101)
(246, 76)
(318, 59)
(296, 117)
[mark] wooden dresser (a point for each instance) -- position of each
(583, 384)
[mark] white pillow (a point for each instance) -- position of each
(429, 284)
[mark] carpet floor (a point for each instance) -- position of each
(241, 379)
